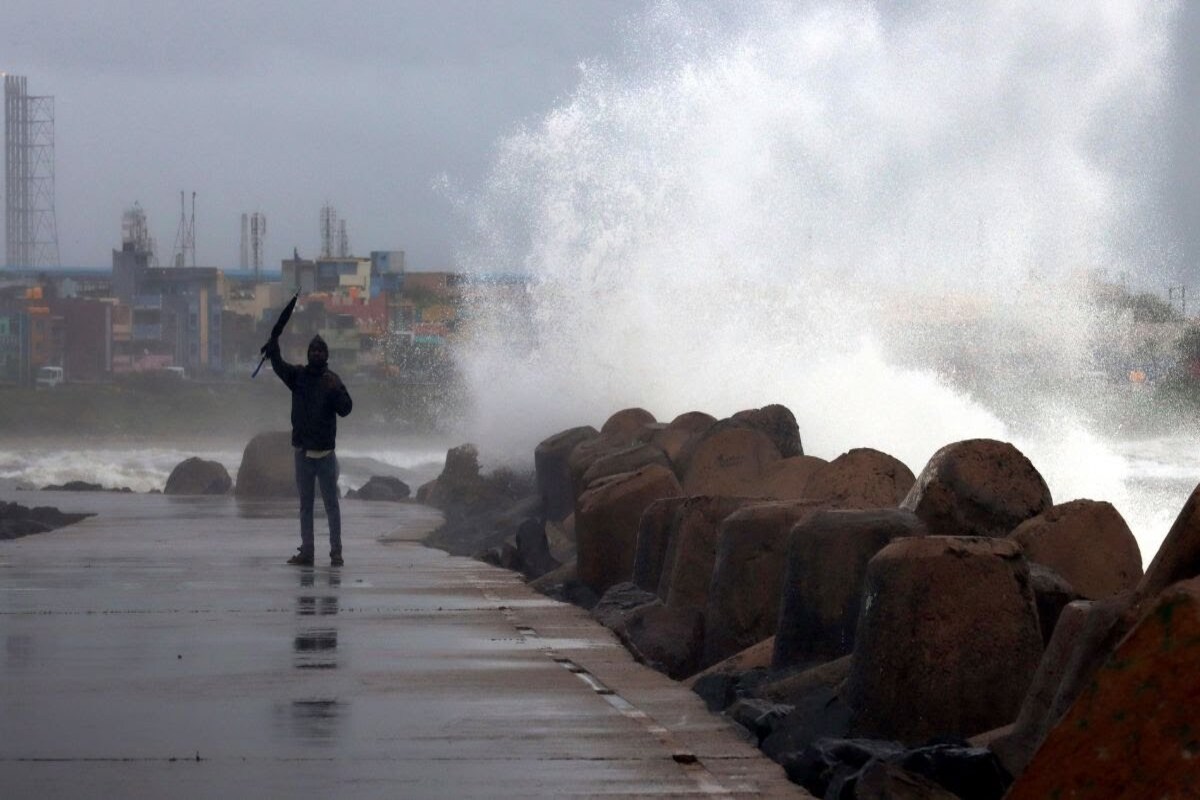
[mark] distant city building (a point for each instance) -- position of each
(387, 272)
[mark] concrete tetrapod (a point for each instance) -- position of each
(948, 639)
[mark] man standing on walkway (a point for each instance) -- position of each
(318, 398)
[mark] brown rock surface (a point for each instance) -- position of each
(779, 424)
(742, 605)
(628, 459)
(948, 639)
(654, 535)
(860, 479)
(691, 550)
(729, 462)
(1133, 733)
(977, 487)
(787, 479)
(667, 639)
(1016, 745)
(1088, 543)
(825, 567)
(680, 434)
(587, 452)
(555, 487)
(606, 523)
(268, 467)
(1178, 557)
(627, 423)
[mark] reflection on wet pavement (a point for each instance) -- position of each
(316, 719)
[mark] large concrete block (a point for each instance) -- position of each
(947, 641)
(977, 487)
(606, 523)
(822, 590)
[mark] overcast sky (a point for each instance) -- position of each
(283, 106)
(373, 106)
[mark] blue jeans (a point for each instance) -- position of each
(323, 471)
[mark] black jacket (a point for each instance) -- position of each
(318, 398)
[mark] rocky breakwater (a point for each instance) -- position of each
(879, 633)
(17, 520)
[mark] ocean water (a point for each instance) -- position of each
(144, 467)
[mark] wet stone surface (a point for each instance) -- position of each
(163, 648)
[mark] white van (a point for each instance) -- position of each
(49, 377)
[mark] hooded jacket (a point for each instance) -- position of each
(318, 398)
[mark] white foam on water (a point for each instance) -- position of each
(869, 213)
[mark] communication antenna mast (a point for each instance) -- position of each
(31, 232)
(343, 249)
(244, 262)
(258, 233)
(329, 227)
(185, 237)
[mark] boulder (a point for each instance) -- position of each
(627, 459)
(654, 534)
(779, 424)
(742, 606)
(85, 486)
(456, 490)
(822, 766)
(627, 423)
(787, 479)
(1052, 593)
(723, 683)
(1088, 543)
(730, 461)
(268, 467)
(1133, 733)
(758, 717)
(825, 567)
(560, 537)
(665, 639)
(503, 555)
(17, 520)
(606, 523)
(861, 479)
(1178, 557)
(818, 710)
(791, 686)
(563, 584)
(533, 549)
(886, 780)
(614, 608)
(977, 487)
(425, 491)
(195, 476)
(965, 771)
(947, 641)
(553, 475)
(383, 489)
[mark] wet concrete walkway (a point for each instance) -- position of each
(163, 649)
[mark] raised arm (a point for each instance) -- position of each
(285, 371)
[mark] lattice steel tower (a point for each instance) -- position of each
(30, 230)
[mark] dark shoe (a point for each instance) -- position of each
(335, 559)
(300, 560)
